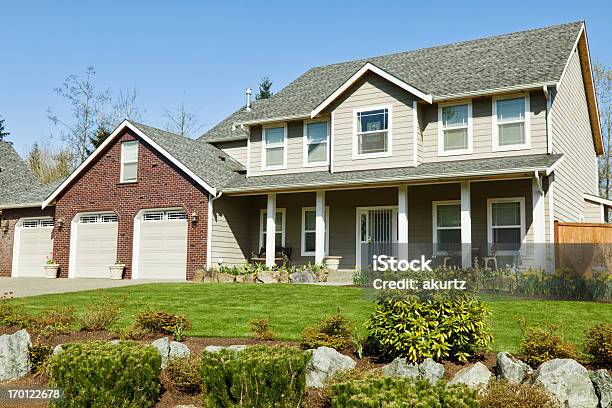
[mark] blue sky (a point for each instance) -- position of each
(204, 54)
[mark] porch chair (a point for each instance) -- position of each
(281, 254)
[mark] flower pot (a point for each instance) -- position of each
(51, 271)
(332, 262)
(116, 271)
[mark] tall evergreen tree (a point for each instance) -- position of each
(99, 136)
(3, 134)
(265, 87)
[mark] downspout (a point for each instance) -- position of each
(211, 198)
(548, 94)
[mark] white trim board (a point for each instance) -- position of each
(597, 199)
(126, 124)
(369, 67)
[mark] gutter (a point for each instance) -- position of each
(25, 205)
(209, 226)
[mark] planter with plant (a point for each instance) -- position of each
(116, 270)
(51, 268)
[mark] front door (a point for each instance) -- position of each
(376, 233)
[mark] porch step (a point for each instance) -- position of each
(340, 277)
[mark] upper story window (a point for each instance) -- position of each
(274, 147)
(454, 129)
(373, 133)
(511, 123)
(316, 140)
(129, 162)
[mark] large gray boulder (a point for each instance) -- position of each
(215, 349)
(431, 371)
(400, 367)
(14, 355)
(178, 350)
(324, 363)
(512, 369)
(303, 277)
(476, 376)
(568, 382)
(602, 381)
(169, 350)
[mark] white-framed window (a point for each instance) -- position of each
(38, 223)
(316, 143)
(164, 215)
(105, 218)
(129, 162)
(511, 123)
(506, 224)
(446, 226)
(280, 228)
(455, 128)
(274, 147)
(372, 136)
(309, 231)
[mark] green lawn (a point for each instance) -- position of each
(225, 310)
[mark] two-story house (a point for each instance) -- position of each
(458, 152)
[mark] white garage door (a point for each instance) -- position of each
(96, 245)
(32, 247)
(163, 245)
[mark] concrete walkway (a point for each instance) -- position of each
(22, 287)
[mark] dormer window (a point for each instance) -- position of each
(316, 141)
(129, 162)
(274, 147)
(511, 130)
(372, 136)
(454, 129)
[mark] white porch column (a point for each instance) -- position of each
(466, 226)
(402, 221)
(538, 223)
(270, 229)
(320, 227)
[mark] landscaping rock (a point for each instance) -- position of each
(602, 381)
(283, 277)
(476, 376)
(214, 349)
(185, 406)
(568, 382)
(511, 369)
(267, 277)
(303, 277)
(163, 348)
(431, 371)
(14, 355)
(237, 347)
(178, 350)
(400, 367)
(223, 277)
(324, 363)
(57, 349)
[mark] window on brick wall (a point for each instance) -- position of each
(129, 162)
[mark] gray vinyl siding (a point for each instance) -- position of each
(295, 151)
(373, 91)
(231, 230)
(482, 122)
(571, 131)
(592, 212)
(237, 150)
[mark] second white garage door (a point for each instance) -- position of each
(162, 252)
(96, 245)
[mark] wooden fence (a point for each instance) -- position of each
(583, 247)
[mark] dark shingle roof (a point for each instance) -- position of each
(18, 186)
(510, 60)
(205, 160)
(438, 170)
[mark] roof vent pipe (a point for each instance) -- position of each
(248, 99)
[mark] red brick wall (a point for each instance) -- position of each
(10, 218)
(160, 185)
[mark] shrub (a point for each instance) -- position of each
(183, 374)
(101, 315)
(333, 331)
(502, 394)
(372, 392)
(540, 345)
(103, 374)
(261, 330)
(259, 376)
(451, 326)
(132, 332)
(54, 321)
(598, 343)
(10, 314)
(39, 354)
(161, 322)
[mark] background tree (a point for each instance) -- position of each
(87, 109)
(3, 133)
(50, 165)
(182, 122)
(265, 87)
(602, 76)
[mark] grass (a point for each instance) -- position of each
(225, 310)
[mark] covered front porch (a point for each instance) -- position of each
(494, 222)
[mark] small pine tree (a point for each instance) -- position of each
(265, 87)
(99, 136)
(3, 134)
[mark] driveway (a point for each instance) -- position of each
(22, 287)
